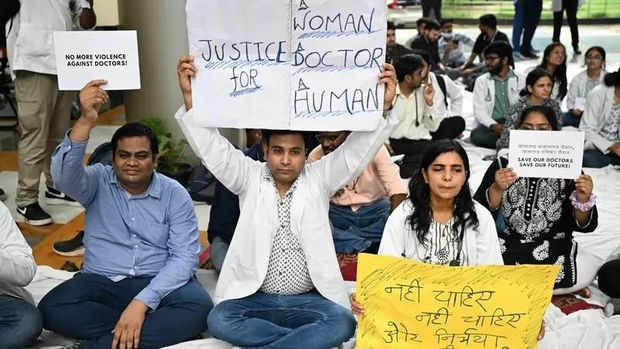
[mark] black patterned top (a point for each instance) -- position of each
(539, 222)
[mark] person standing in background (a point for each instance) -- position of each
(570, 6)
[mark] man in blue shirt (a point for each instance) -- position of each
(138, 287)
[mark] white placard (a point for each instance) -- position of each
(82, 56)
(580, 103)
(546, 154)
(287, 64)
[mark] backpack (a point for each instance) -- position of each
(8, 10)
(442, 85)
(101, 155)
(201, 185)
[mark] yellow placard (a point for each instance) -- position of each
(409, 304)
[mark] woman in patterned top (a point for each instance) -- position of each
(538, 85)
(541, 214)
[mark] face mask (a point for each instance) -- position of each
(447, 36)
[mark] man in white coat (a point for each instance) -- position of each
(20, 321)
(280, 285)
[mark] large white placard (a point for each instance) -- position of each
(287, 64)
(546, 154)
(82, 56)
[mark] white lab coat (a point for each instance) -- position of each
(556, 5)
(247, 259)
(577, 87)
(455, 97)
(480, 246)
(598, 106)
(17, 266)
(484, 96)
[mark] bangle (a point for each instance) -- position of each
(582, 206)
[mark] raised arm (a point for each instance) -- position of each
(68, 170)
(229, 165)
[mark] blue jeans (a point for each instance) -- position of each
(219, 249)
(517, 25)
(355, 231)
(568, 119)
(20, 323)
(593, 158)
(88, 306)
(265, 320)
(482, 136)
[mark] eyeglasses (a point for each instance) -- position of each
(539, 127)
(491, 58)
(595, 58)
(331, 139)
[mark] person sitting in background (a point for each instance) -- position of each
(538, 85)
(419, 26)
(495, 92)
(601, 123)
(582, 84)
(417, 113)
(540, 214)
(451, 45)
(448, 101)
(428, 42)
(138, 287)
(20, 321)
(489, 33)
(358, 211)
(554, 60)
(393, 50)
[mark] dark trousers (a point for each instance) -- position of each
(428, 5)
(88, 306)
(533, 9)
(413, 149)
(570, 6)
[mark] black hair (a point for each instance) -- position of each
(391, 25)
(408, 64)
(445, 21)
(545, 110)
(422, 53)
(268, 133)
(612, 79)
(559, 75)
(501, 49)
(420, 193)
(432, 25)
(135, 129)
(596, 48)
(533, 77)
(421, 20)
(488, 20)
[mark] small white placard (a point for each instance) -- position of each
(546, 154)
(82, 56)
(580, 103)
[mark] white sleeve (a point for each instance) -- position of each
(393, 238)
(487, 243)
(17, 266)
(593, 116)
(573, 90)
(229, 165)
(456, 98)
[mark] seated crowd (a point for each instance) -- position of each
(279, 218)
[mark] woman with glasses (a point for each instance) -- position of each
(582, 84)
(601, 123)
(538, 86)
(541, 214)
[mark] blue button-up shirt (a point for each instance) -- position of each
(154, 234)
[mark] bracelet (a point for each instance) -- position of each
(582, 206)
